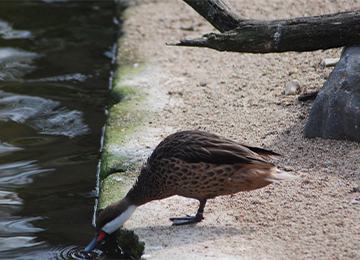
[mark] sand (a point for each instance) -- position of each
(241, 96)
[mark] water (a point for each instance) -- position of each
(55, 64)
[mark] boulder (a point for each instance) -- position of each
(335, 113)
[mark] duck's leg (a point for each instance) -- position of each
(190, 219)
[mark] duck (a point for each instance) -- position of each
(194, 164)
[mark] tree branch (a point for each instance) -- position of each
(217, 13)
(297, 34)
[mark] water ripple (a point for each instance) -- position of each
(7, 32)
(6, 148)
(9, 243)
(69, 77)
(60, 122)
(9, 198)
(44, 115)
(19, 226)
(15, 63)
(20, 108)
(18, 173)
(62, 252)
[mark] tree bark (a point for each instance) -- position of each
(217, 13)
(297, 34)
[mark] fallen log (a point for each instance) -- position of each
(296, 34)
(217, 13)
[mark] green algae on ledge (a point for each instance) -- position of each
(114, 187)
(127, 239)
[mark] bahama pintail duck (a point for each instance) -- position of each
(192, 164)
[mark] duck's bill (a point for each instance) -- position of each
(99, 236)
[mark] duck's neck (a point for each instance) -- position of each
(125, 210)
(143, 190)
(137, 195)
(149, 186)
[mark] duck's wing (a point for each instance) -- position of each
(206, 137)
(197, 146)
(221, 153)
(262, 152)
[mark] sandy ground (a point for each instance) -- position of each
(240, 96)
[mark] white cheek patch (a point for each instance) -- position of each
(119, 221)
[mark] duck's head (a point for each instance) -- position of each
(111, 219)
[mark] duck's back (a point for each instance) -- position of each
(200, 165)
(198, 146)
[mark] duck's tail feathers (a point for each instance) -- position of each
(279, 175)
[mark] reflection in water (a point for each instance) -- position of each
(18, 242)
(19, 226)
(8, 33)
(69, 77)
(55, 63)
(20, 108)
(44, 115)
(18, 173)
(60, 122)
(9, 198)
(16, 232)
(7, 148)
(15, 63)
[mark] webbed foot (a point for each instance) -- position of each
(186, 220)
(190, 219)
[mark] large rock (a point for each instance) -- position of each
(336, 110)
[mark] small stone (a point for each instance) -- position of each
(202, 83)
(292, 87)
(355, 189)
(115, 178)
(329, 62)
(354, 201)
(187, 28)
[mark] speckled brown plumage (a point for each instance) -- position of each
(196, 165)
(201, 165)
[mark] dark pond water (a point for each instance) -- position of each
(55, 65)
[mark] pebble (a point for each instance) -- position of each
(292, 87)
(329, 62)
(115, 178)
(202, 83)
